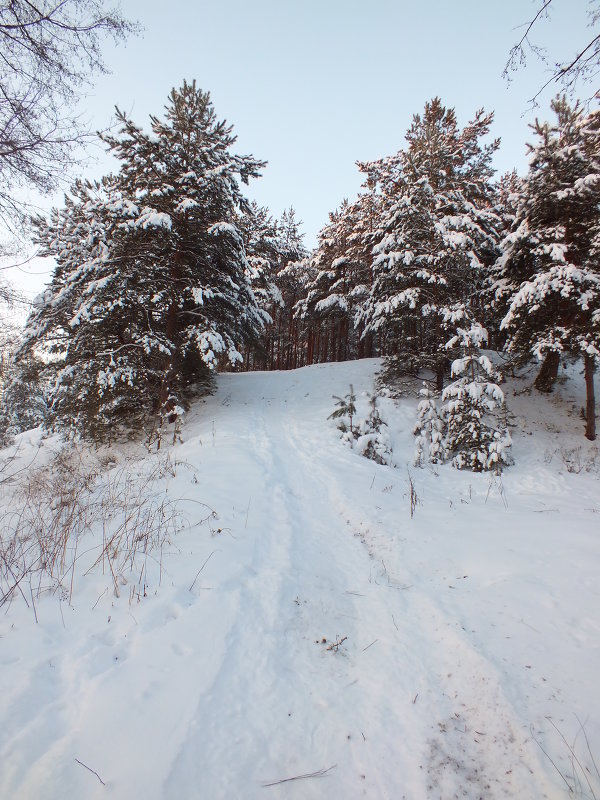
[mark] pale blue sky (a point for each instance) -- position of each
(312, 86)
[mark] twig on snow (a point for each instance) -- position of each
(202, 567)
(318, 774)
(370, 645)
(89, 769)
(100, 598)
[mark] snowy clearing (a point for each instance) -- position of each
(312, 628)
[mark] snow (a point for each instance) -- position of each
(186, 204)
(468, 619)
(334, 300)
(150, 218)
(224, 227)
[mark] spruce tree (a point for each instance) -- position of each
(152, 288)
(429, 430)
(471, 438)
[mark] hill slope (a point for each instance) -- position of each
(311, 623)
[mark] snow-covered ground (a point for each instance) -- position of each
(311, 626)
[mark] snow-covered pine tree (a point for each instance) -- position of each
(371, 438)
(549, 258)
(438, 234)
(84, 394)
(23, 402)
(470, 438)
(151, 289)
(325, 307)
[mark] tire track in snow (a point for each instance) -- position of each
(296, 707)
(257, 639)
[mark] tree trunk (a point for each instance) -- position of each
(439, 375)
(546, 377)
(590, 406)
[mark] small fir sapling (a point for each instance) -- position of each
(372, 439)
(470, 440)
(346, 407)
(429, 430)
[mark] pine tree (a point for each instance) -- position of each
(23, 398)
(371, 438)
(438, 234)
(549, 258)
(152, 287)
(22, 392)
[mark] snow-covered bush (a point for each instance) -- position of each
(366, 434)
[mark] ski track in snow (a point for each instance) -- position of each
(214, 691)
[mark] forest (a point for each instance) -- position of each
(166, 273)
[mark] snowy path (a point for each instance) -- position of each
(301, 707)
(219, 682)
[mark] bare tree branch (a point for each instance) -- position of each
(49, 52)
(580, 68)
